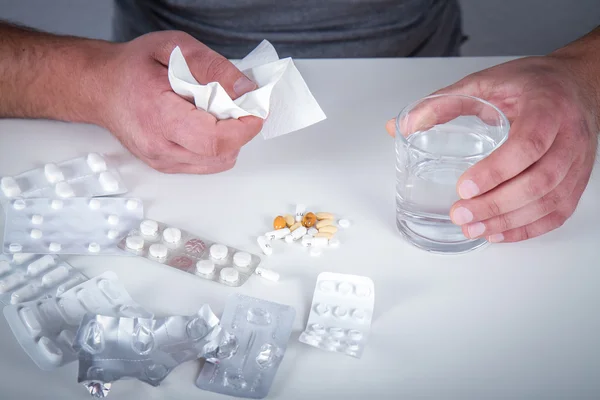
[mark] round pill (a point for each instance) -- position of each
(313, 231)
(113, 219)
(10, 187)
(94, 204)
(205, 267)
(112, 234)
(218, 251)
(158, 250)
(15, 247)
(316, 252)
(334, 242)
(344, 223)
(134, 242)
(19, 204)
(132, 204)
(63, 189)
(172, 235)
(94, 247)
(37, 219)
(149, 227)
(229, 275)
(36, 234)
(108, 181)
(54, 247)
(53, 173)
(242, 259)
(96, 162)
(56, 204)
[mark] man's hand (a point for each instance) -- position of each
(533, 182)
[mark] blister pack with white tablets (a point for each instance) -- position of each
(340, 315)
(27, 277)
(186, 252)
(147, 349)
(78, 225)
(254, 337)
(46, 328)
(88, 176)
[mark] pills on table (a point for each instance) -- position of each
(229, 275)
(64, 190)
(96, 162)
(300, 210)
(56, 204)
(93, 247)
(113, 219)
(172, 235)
(279, 222)
(53, 173)
(316, 252)
(289, 220)
(36, 234)
(264, 245)
(334, 242)
(218, 251)
(298, 233)
(54, 247)
(344, 223)
(112, 234)
(313, 231)
(309, 220)
(19, 204)
(132, 204)
(307, 240)
(108, 181)
(326, 222)
(37, 219)
(242, 259)
(295, 226)
(328, 229)
(205, 267)
(278, 234)
(10, 187)
(94, 204)
(324, 215)
(325, 235)
(267, 274)
(134, 242)
(158, 250)
(15, 247)
(289, 239)
(149, 227)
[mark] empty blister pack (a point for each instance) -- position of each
(254, 337)
(182, 250)
(146, 349)
(71, 226)
(26, 277)
(46, 328)
(340, 315)
(88, 176)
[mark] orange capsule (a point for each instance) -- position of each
(309, 220)
(279, 222)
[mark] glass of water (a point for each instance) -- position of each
(437, 139)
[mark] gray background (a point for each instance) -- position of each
(500, 27)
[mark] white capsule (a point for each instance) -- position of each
(10, 187)
(229, 275)
(112, 234)
(15, 247)
(205, 267)
(320, 242)
(53, 173)
(113, 219)
(93, 247)
(218, 251)
(64, 190)
(278, 234)
(56, 204)
(264, 245)
(96, 162)
(158, 250)
(334, 242)
(172, 235)
(36, 233)
(108, 181)
(20, 258)
(132, 204)
(313, 231)
(54, 247)
(94, 204)
(242, 259)
(316, 252)
(300, 210)
(299, 232)
(307, 240)
(267, 274)
(134, 242)
(37, 219)
(19, 204)
(344, 223)
(289, 239)
(149, 227)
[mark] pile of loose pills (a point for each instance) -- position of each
(313, 230)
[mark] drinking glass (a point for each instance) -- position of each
(437, 139)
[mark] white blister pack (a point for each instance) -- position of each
(254, 337)
(88, 176)
(341, 312)
(77, 225)
(27, 277)
(147, 349)
(46, 328)
(182, 250)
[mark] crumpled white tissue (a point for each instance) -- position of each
(282, 94)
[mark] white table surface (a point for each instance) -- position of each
(513, 321)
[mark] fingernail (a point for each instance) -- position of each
(476, 229)
(462, 216)
(496, 238)
(468, 189)
(243, 85)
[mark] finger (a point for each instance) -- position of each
(529, 139)
(232, 134)
(533, 184)
(182, 168)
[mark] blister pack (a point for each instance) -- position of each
(46, 328)
(27, 277)
(88, 176)
(253, 341)
(77, 225)
(184, 251)
(340, 315)
(147, 349)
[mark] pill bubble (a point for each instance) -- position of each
(56, 204)
(172, 235)
(15, 247)
(19, 204)
(363, 291)
(112, 234)
(132, 204)
(229, 275)
(96, 162)
(53, 173)
(205, 267)
(340, 311)
(108, 181)
(355, 335)
(242, 259)
(10, 187)
(37, 219)
(93, 247)
(64, 190)
(218, 251)
(149, 227)
(327, 286)
(113, 219)
(158, 250)
(36, 233)
(345, 288)
(94, 204)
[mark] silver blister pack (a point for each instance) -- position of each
(146, 349)
(46, 328)
(340, 315)
(26, 277)
(254, 337)
(186, 252)
(88, 176)
(77, 225)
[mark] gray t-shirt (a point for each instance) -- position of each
(302, 28)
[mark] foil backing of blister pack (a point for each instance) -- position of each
(147, 349)
(340, 314)
(46, 328)
(89, 176)
(27, 277)
(79, 225)
(189, 253)
(253, 342)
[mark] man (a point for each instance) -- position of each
(528, 187)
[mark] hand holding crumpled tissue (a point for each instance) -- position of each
(282, 94)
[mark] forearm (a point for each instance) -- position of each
(49, 76)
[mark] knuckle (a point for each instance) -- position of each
(493, 209)
(495, 176)
(534, 145)
(504, 222)
(543, 181)
(549, 202)
(216, 68)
